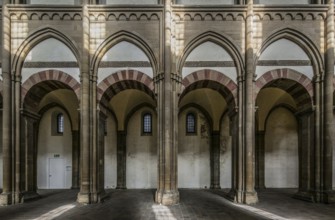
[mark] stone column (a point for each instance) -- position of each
(29, 148)
(85, 137)
(215, 160)
(260, 160)
(249, 193)
(167, 192)
(306, 121)
(6, 195)
(101, 155)
(327, 194)
(75, 159)
(121, 159)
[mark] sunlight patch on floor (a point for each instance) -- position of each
(261, 212)
(162, 212)
(55, 212)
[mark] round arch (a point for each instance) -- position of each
(40, 84)
(300, 87)
(35, 38)
(122, 80)
(213, 80)
(219, 39)
(117, 38)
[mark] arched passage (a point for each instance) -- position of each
(200, 151)
(51, 122)
(125, 97)
(284, 133)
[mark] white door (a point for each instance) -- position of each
(56, 173)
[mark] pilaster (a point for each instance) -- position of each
(85, 153)
(327, 194)
(249, 195)
(215, 160)
(167, 192)
(121, 159)
(6, 195)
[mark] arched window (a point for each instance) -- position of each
(147, 124)
(190, 123)
(60, 123)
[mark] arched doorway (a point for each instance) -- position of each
(284, 133)
(51, 122)
(128, 105)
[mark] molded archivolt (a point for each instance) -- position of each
(294, 83)
(123, 56)
(35, 54)
(211, 56)
(212, 51)
(214, 80)
(284, 53)
(50, 54)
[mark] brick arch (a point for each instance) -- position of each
(213, 80)
(48, 81)
(122, 80)
(296, 84)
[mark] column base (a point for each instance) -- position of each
(98, 197)
(167, 197)
(250, 197)
(305, 196)
(30, 196)
(121, 187)
(5, 199)
(328, 197)
(84, 198)
(215, 186)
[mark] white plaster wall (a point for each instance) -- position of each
(210, 51)
(193, 154)
(202, 2)
(281, 150)
(49, 145)
(1, 160)
(280, 2)
(124, 51)
(132, 2)
(48, 2)
(284, 49)
(141, 165)
(50, 50)
(225, 154)
(305, 70)
(110, 154)
(228, 71)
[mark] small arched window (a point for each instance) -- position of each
(60, 123)
(190, 123)
(147, 124)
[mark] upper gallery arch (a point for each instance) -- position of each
(124, 39)
(38, 37)
(301, 54)
(223, 54)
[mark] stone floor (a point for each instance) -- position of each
(138, 204)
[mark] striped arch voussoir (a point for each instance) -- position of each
(214, 80)
(50, 75)
(122, 80)
(300, 87)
